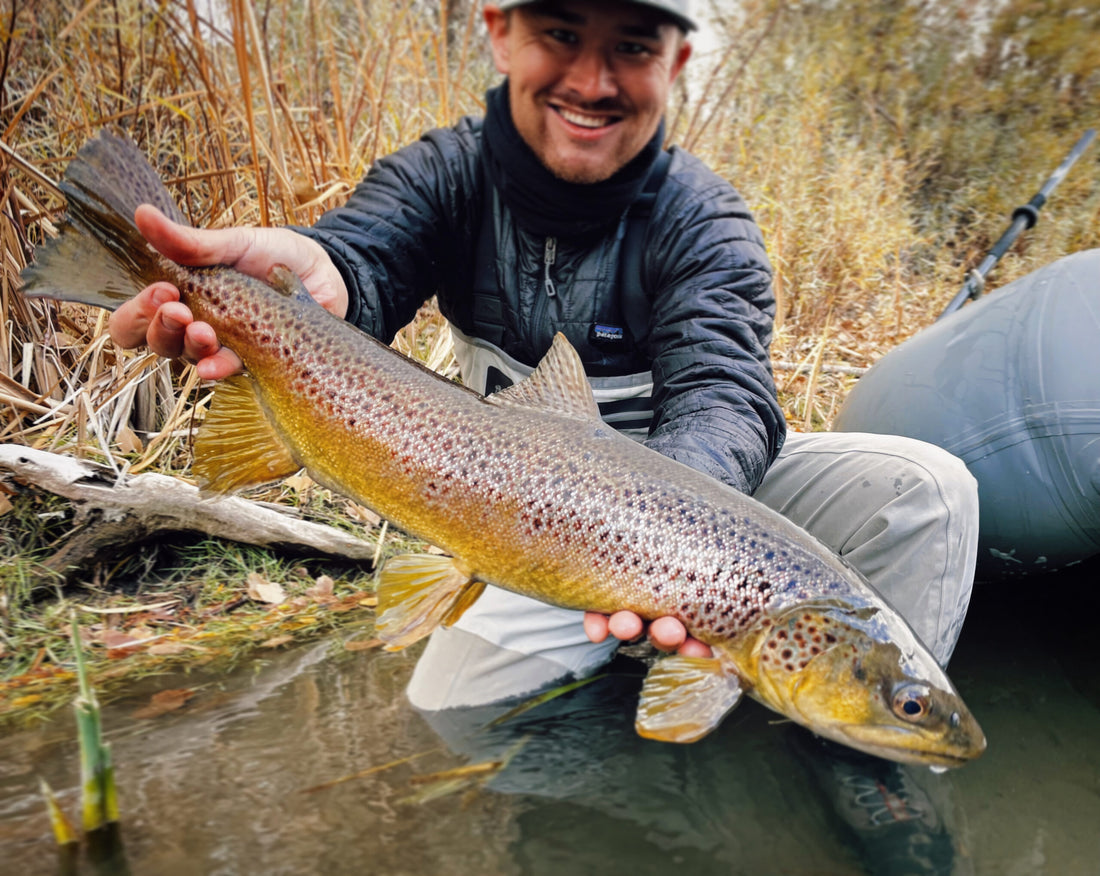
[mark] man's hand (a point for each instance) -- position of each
(666, 633)
(157, 317)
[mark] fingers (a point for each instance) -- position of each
(156, 317)
(129, 324)
(224, 363)
(595, 626)
(669, 634)
(694, 648)
(625, 625)
(174, 329)
(250, 250)
(666, 633)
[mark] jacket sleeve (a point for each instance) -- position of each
(715, 406)
(397, 240)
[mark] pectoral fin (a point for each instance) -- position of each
(684, 698)
(419, 592)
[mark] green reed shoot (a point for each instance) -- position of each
(97, 774)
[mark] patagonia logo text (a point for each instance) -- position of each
(607, 333)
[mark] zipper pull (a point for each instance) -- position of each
(549, 256)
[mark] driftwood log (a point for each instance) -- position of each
(110, 511)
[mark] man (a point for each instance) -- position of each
(522, 224)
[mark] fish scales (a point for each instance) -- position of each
(577, 513)
(526, 489)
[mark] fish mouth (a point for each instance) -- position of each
(870, 739)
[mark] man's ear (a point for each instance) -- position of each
(682, 55)
(497, 21)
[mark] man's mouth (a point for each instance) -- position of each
(586, 120)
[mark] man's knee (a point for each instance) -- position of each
(902, 511)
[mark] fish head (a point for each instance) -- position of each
(861, 677)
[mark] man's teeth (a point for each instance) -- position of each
(583, 120)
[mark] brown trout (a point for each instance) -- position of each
(525, 489)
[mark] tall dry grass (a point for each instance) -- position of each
(881, 146)
(255, 114)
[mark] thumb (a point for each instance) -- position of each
(186, 245)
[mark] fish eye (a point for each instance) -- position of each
(912, 702)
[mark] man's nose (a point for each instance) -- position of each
(591, 76)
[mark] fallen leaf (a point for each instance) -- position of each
(361, 514)
(165, 701)
(321, 591)
(128, 441)
(299, 482)
(116, 639)
(369, 601)
(5, 505)
(276, 641)
(263, 590)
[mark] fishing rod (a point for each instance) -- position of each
(1023, 217)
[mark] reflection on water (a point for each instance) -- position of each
(217, 788)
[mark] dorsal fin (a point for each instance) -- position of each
(558, 384)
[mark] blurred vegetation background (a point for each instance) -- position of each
(882, 146)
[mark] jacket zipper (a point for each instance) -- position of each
(549, 256)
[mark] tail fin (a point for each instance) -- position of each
(100, 257)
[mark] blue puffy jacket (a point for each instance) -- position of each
(411, 230)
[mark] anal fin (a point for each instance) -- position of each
(419, 592)
(684, 698)
(237, 445)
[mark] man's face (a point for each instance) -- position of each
(588, 82)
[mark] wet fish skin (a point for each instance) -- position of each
(527, 490)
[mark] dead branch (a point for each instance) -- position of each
(110, 511)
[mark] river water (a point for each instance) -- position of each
(221, 786)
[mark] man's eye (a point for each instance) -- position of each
(633, 49)
(562, 36)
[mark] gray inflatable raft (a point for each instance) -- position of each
(1011, 385)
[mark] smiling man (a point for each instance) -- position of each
(587, 84)
(561, 211)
